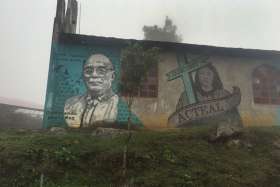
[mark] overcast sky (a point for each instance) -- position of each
(26, 29)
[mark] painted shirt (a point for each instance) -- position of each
(86, 112)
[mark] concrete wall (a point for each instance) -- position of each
(233, 71)
(67, 93)
(238, 71)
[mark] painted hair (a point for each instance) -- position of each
(216, 84)
(99, 57)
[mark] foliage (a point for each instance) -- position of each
(136, 63)
(167, 33)
(181, 157)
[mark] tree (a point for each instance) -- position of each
(136, 63)
(167, 33)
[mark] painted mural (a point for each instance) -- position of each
(266, 84)
(204, 100)
(99, 103)
(83, 89)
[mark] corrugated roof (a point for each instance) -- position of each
(204, 49)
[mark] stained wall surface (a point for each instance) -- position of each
(193, 89)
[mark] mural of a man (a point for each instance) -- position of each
(99, 104)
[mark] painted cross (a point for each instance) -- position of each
(184, 70)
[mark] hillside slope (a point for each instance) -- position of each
(19, 117)
(158, 159)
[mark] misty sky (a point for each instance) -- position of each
(26, 29)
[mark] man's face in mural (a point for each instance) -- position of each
(98, 74)
(206, 78)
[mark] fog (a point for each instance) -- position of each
(26, 29)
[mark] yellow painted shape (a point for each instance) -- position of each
(155, 121)
(260, 119)
(159, 121)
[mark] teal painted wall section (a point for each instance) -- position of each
(66, 80)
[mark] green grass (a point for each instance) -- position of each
(182, 157)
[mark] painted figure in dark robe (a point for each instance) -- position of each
(208, 87)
